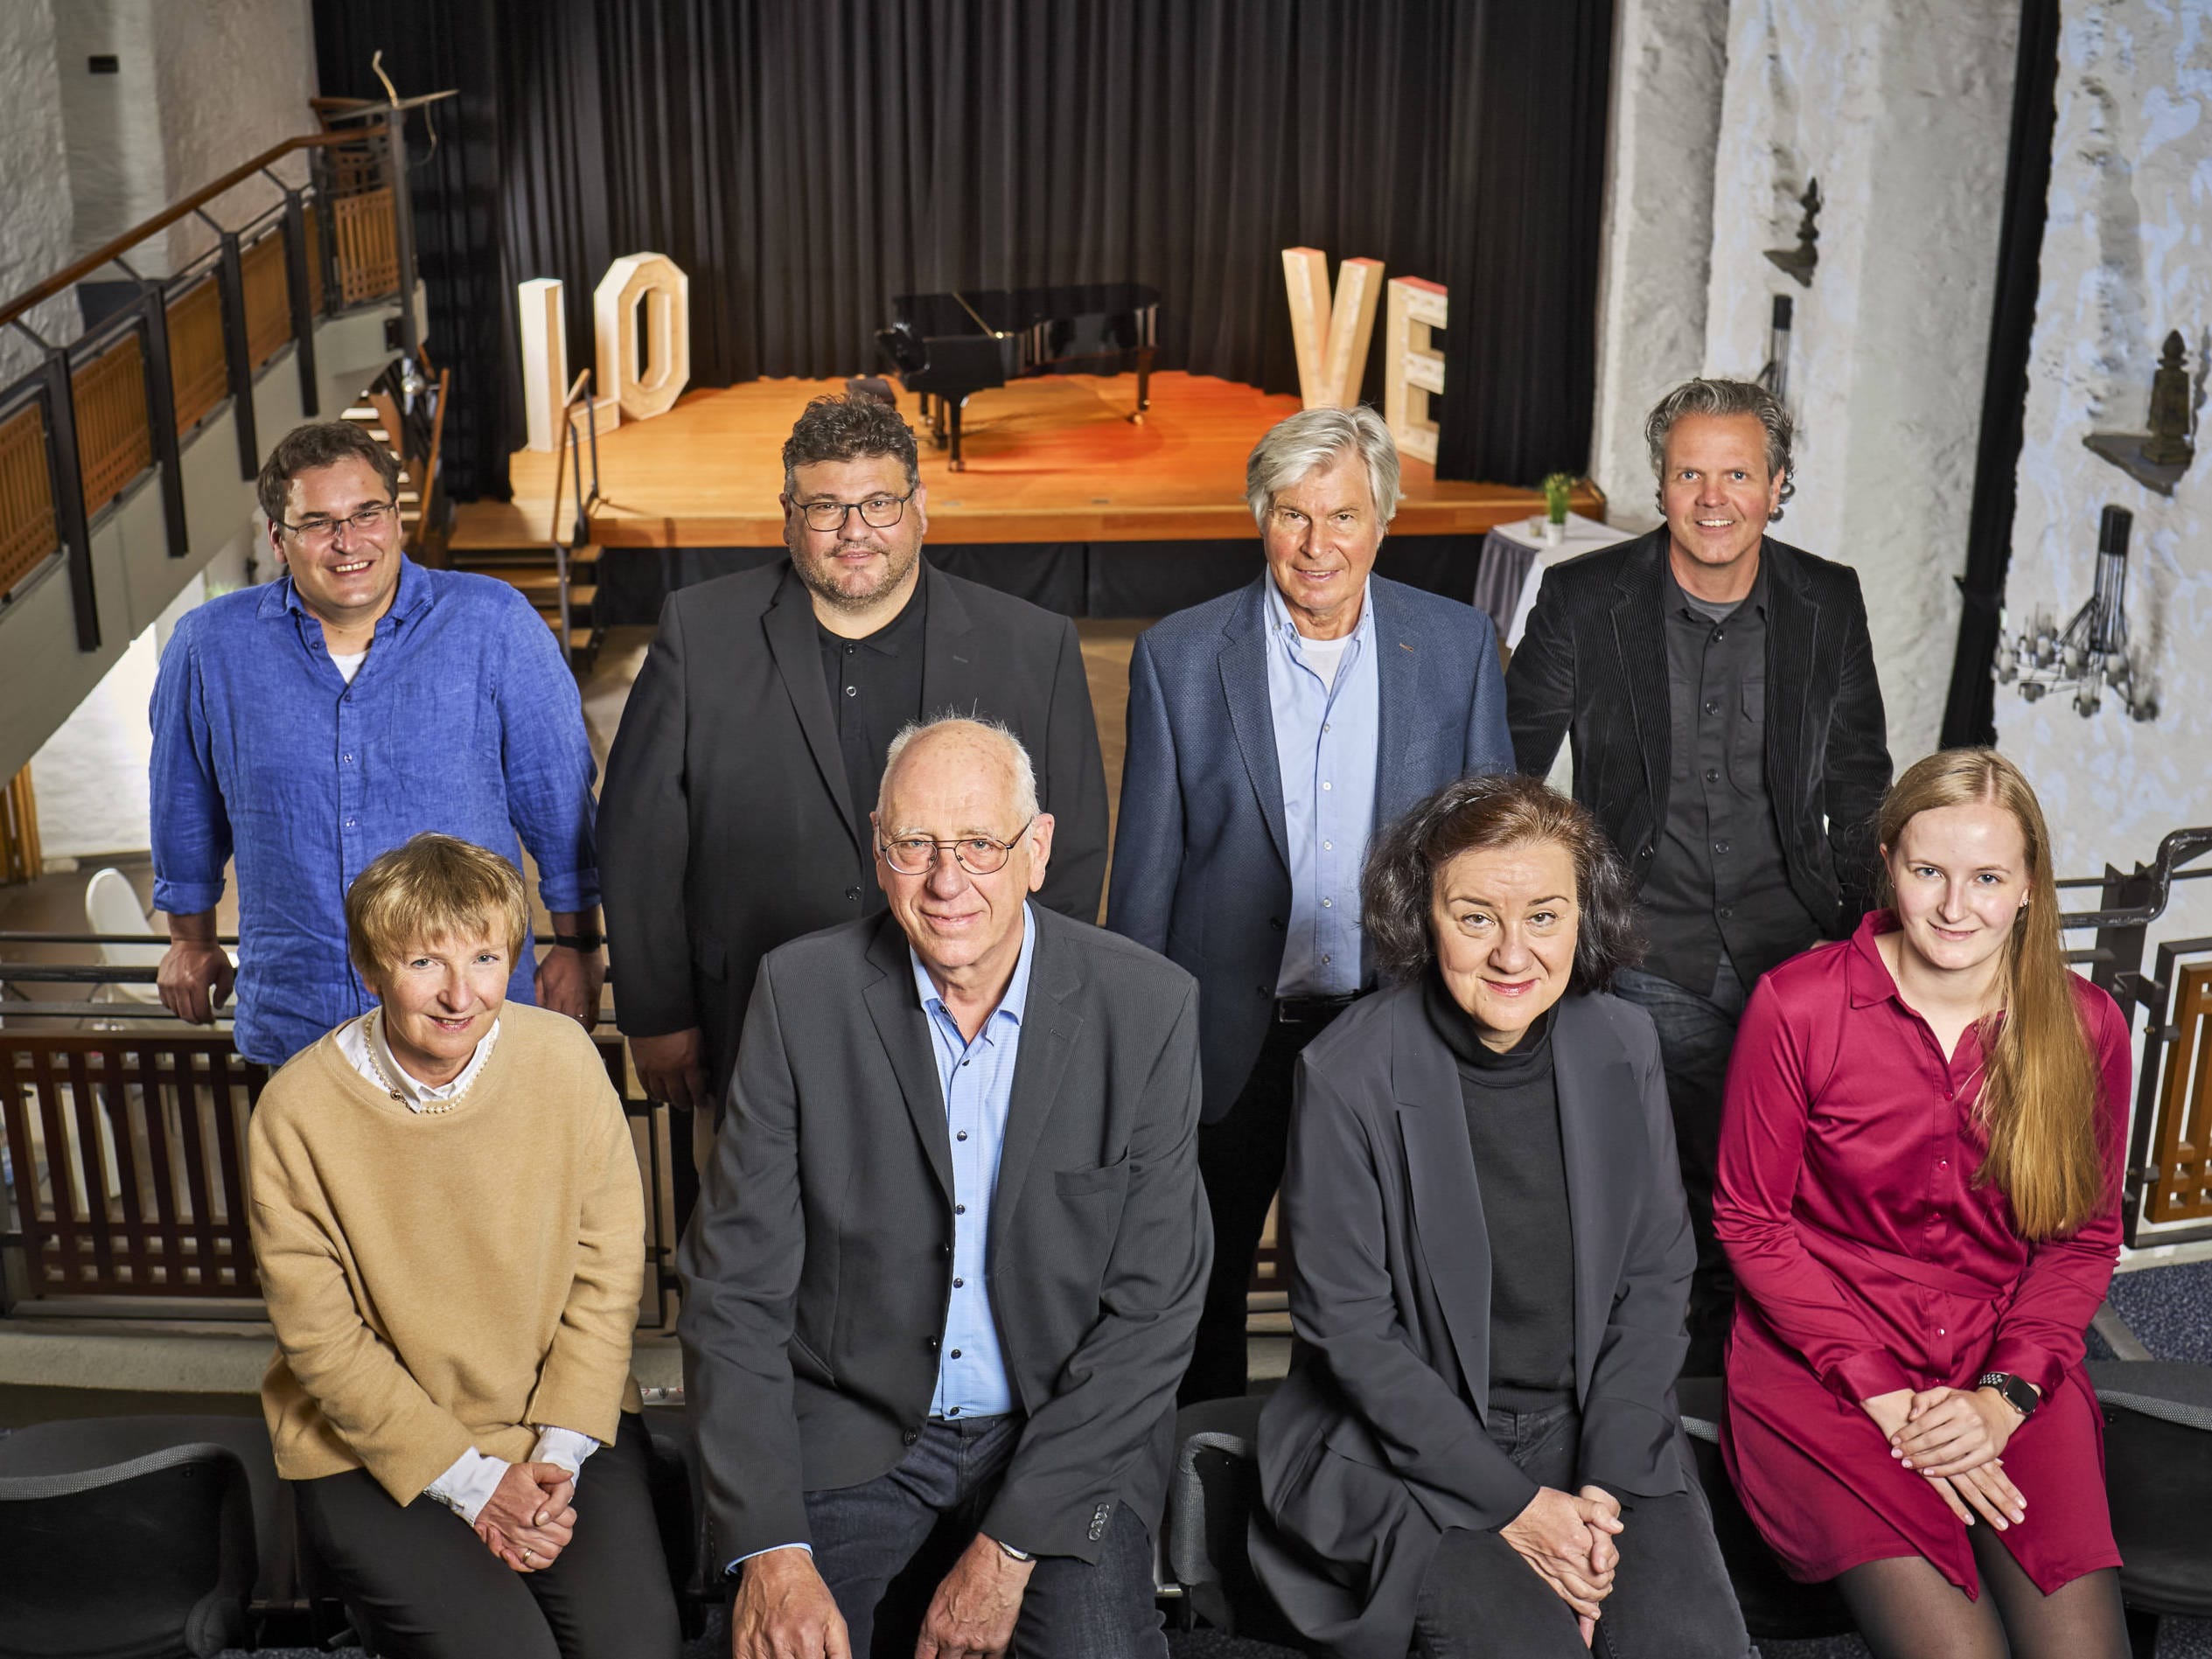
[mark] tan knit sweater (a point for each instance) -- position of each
(439, 1281)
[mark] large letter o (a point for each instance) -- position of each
(651, 280)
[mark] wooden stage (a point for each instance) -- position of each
(1050, 460)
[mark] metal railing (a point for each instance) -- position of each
(99, 411)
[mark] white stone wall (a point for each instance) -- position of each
(118, 174)
(2126, 259)
(1902, 108)
(1656, 263)
(34, 184)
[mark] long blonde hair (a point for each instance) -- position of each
(2039, 1098)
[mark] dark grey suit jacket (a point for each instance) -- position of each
(1375, 1446)
(725, 825)
(1201, 860)
(1593, 666)
(818, 1268)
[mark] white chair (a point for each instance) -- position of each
(111, 906)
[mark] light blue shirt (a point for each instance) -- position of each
(1326, 739)
(977, 1081)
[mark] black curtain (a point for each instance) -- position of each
(803, 162)
(1970, 711)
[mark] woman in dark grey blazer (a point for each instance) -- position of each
(1477, 1451)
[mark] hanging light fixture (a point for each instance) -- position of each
(2090, 653)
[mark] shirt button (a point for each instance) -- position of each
(348, 759)
(1328, 904)
(955, 1353)
(1327, 786)
(1940, 1331)
(1720, 847)
(1324, 961)
(850, 650)
(960, 1209)
(1943, 1163)
(1712, 707)
(1324, 725)
(852, 691)
(962, 1136)
(1719, 634)
(1712, 774)
(952, 1411)
(966, 1058)
(351, 823)
(958, 1284)
(1328, 847)
(1726, 911)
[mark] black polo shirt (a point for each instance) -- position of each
(1717, 883)
(875, 688)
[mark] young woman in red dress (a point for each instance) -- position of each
(1919, 1191)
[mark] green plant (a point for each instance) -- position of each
(1557, 487)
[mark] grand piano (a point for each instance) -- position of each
(947, 346)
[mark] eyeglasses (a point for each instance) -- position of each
(878, 511)
(320, 532)
(977, 855)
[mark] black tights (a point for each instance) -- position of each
(1906, 1609)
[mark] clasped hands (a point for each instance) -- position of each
(1568, 1538)
(783, 1610)
(529, 1520)
(1956, 1438)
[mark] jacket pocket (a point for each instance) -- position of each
(1074, 1183)
(802, 1349)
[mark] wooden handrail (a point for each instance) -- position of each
(62, 281)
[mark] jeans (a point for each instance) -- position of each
(1696, 1034)
(1671, 1596)
(883, 1546)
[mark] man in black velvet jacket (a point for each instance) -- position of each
(1719, 688)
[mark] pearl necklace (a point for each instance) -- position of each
(427, 1108)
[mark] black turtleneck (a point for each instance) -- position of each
(1512, 1107)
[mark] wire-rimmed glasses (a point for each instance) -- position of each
(318, 532)
(977, 855)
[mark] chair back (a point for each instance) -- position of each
(146, 1559)
(2158, 1479)
(111, 906)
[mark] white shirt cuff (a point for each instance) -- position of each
(565, 1448)
(468, 1486)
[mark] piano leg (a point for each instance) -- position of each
(959, 465)
(1144, 385)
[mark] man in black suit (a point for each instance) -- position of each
(951, 1252)
(1719, 689)
(735, 811)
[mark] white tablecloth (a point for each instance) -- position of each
(1514, 560)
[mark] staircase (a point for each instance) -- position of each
(412, 430)
(534, 572)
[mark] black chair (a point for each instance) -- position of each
(1212, 1496)
(2157, 1478)
(1776, 1606)
(149, 1557)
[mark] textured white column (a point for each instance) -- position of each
(1903, 109)
(2126, 259)
(1667, 62)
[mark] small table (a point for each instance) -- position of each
(1514, 559)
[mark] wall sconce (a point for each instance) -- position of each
(2156, 459)
(2092, 653)
(1776, 375)
(1798, 261)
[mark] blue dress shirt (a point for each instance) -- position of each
(1326, 737)
(464, 719)
(977, 1079)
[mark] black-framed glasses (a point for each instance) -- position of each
(318, 532)
(977, 855)
(878, 511)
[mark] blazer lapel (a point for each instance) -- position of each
(1447, 1196)
(1400, 667)
(1243, 687)
(1592, 1079)
(1639, 635)
(790, 627)
(903, 1031)
(1048, 1029)
(1793, 635)
(952, 676)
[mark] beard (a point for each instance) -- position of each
(853, 590)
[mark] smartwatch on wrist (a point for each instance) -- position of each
(2014, 1392)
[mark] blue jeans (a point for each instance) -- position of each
(883, 1546)
(1696, 1034)
(1671, 1597)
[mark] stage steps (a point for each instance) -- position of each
(533, 572)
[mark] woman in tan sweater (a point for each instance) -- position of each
(450, 1226)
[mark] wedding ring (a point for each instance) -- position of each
(529, 1555)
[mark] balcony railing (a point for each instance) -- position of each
(100, 411)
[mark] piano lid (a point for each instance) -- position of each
(1010, 310)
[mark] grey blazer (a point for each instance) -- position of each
(1375, 1444)
(818, 1267)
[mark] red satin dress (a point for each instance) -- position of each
(1867, 1260)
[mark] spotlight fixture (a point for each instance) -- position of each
(2091, 652)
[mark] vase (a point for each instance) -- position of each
(1555, 534)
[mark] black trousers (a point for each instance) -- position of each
(1240, 1159)
(426, 1587)
(1671, 1597)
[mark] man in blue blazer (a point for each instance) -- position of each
(1271, 731)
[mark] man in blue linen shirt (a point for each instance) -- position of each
(306, 725)
(1271, 731)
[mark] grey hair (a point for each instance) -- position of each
(1725, 397)
(1312, 438)
(1017, 758)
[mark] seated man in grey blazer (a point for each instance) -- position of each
(950, 1252)
(1270, 731)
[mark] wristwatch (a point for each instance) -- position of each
(2016, 1393)
(1011, 1553)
